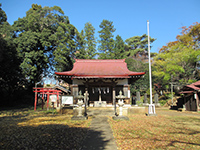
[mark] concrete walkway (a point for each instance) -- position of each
(100, 135)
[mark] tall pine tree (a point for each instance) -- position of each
(106, 42)
(119, 49)
(138, 46)
(89, 41)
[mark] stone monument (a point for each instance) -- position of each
(137, 98)
(156, 100)
(145, 102)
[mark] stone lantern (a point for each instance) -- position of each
(79, 109)
(120, 98)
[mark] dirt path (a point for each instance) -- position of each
(100, 136)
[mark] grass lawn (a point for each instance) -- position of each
(157, 132)
(28, 129)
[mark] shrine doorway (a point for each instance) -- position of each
(103, 93)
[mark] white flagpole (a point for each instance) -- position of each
(151, 106)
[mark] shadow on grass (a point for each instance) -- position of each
(50, 136)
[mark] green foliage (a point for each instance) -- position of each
(3, 17)
(46, 41)
(11, 79)
(163, 102)
(35, 40)
(69, 46)
(138, 66)
(138, 45)
(89, 41)
(179, 60)
(106, 41)
(140, 102)
(163, 99)
(148, 91)
(119, 48)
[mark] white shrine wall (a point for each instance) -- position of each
(122, 82)
(78, 82)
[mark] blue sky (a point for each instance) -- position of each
(166, 17)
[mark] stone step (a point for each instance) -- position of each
(100, 112)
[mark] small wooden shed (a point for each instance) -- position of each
(191, 97)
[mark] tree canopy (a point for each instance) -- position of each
(178, 61)
(89, 41)
(106, 42)
(11, 79)
(138, 46)
(44, 41)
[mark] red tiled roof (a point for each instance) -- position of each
(194, 87)
(84, 68)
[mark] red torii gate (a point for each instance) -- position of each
(46, 91)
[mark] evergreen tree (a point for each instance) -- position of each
(142, 84)
(69, 46)
(89, 41)
(46, 40)
(138, 46)
(106, 42)
(11, 79)
(119, 49)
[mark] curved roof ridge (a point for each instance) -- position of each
(100, 60)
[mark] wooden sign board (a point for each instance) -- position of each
(67, 100)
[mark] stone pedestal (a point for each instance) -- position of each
(120, 118)
(100, 103)
(121, 104)
(80, 104)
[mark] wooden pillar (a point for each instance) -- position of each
(86, 99)
(114, 100)
(48, 100)
(197, 101)
(186, 107)
(42, 100)
(74, 88)
(35, 98)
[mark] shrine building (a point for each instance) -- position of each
(101, 79)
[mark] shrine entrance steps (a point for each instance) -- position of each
(100, 111)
